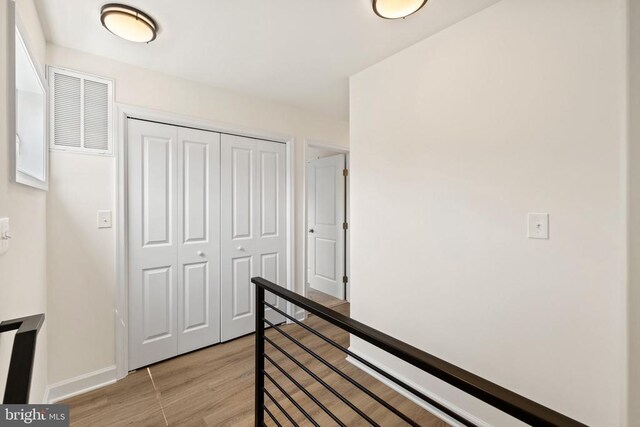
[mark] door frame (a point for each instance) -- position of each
(339, 150)
(123, 113)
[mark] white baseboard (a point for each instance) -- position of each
(410, 396)
(300, 315)
(80, 384)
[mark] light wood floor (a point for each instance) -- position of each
(214, 387)
(322, 298)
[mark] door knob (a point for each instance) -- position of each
(240, 248)
(200, 253)
(311, 230)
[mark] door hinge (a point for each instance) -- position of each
(345, 172)
(345, 226)
(345, 279)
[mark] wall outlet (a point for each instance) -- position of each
(5, 235)
(538, 226)
(104, 219)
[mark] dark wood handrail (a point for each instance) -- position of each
(505, 400)
(22, 356)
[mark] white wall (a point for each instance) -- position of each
(520, 108)
(633, 165)
(82, 260)
(319, 153)
(23, 268)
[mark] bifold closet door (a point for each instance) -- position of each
(173, 231)
(253, 229)
(198, 239)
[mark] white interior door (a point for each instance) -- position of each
(153, 248)
(174, 240)
(253, 224)
(198, 239)
(325, 219)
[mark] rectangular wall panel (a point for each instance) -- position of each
(269, 271)
(196, 296)
(242, 302)
(157, 302)
(242, 192)
(325, 180)
(156, 189)
(325, 258)
(269, 163)
(196, 191)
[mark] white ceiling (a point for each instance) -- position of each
(297, 52)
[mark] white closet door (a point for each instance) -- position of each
(153, 248)
(174, 241)
(253, 225)
(198, 239)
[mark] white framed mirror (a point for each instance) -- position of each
(30, 122)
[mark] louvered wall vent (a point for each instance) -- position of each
(81, 111)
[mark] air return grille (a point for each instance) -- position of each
(81, 111)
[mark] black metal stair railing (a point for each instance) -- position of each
(22, 356)
(269, 409)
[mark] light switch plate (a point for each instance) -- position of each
(5, 235)
(538, 226)
(104, 219)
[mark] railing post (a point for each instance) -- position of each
(259, 380)
(22, 357)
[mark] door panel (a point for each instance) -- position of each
(158, 301)
(271, 244)
(152, 216)
(269, 271)
(196, 296)
(174, 240)
(156, 189)
(242, 173)
(242, 298)
(199, 237)
(196, 190)
(326, 213)
(253, 182)
(325, 258)
(269, 168)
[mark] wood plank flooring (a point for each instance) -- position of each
(214, 387)
(322, 298)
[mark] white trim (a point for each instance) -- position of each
(81, 384)
(291, 221)
(19, 33)
(123, 112)
(411, 396)
(122, 256)
(338, 149)
(300, 314)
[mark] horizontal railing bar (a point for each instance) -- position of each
(288, 396)
(346, 377)
(321, 381)
(518, 406)
(286, 414)
(271, 416)
(305, 391)
(370, 365)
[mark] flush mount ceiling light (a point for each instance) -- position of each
(395, 9)
(128, 23)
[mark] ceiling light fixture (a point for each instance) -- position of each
(128, 23)
(395, 9)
